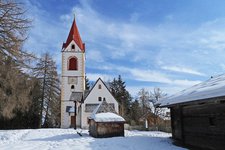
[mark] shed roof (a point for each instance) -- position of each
(211, 88)
(104, 112)
(107, 117)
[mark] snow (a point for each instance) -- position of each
(68, 139)
(214, 87)
(107, 117)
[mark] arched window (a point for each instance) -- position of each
(72, 87)
(72, 63)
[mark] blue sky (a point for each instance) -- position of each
(150, 43)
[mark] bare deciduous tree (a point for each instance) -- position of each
(155, 96)
(14, 84)
(13, 29)
(143, 98)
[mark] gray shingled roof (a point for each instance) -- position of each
(76, 96)
(103, 108)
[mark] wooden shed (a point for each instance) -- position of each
(104, 122)
(198, 114)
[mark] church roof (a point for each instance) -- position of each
(74, 35)
(89, 91)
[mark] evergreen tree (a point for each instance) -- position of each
(135, 112)
(118, 90)
(87, 83)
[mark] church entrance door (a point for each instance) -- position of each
(72, 123)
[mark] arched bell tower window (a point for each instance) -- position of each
(72, 64)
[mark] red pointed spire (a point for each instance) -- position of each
(74, 35)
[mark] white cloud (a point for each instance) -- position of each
(185, 82)
(46, 34)
(155, 76)
(164, 45)
(145, 75)
(95, 76)
(169, 90)
(183, 70)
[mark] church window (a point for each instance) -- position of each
(72, 87)
(104, 99)
(73, 47)
(72, 63)
(99, 99)
(99, 86)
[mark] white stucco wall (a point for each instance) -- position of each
(65, 86)
(92, 98)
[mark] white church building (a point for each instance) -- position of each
(73, 85)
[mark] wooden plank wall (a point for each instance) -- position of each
(204, 125)
(106, 129)
(176, 123)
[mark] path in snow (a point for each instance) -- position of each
(68, 139)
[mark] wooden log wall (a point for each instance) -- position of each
(106, 129)
(200, 125)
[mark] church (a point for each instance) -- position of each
(77, 103)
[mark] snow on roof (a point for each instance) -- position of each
(214, 87)
(107, 117)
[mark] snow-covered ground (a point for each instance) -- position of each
(68, 139)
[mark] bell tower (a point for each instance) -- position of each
(73, 74)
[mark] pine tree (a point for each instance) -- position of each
(87, 83)
(135, 111)
(118, 90)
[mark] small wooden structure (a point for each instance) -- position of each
(104, 122)
(198, 114)
(151, 121)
